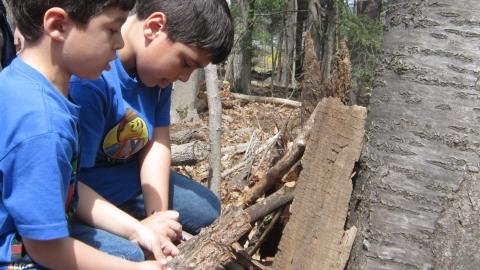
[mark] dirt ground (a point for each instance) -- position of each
(240, 120)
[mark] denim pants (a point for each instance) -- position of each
(197, 205)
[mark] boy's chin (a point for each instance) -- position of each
(163, 84)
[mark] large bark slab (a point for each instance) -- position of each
(417, 196)
(314, 238)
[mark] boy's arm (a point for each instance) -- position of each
(155, 171)
(68, 253)
(94, 210)
(155, 177)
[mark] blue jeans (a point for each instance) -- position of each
(105, 241)
(197, 205)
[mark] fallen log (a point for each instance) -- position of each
(274, 100)
(211, 248)
(187, 135)
(189, 153)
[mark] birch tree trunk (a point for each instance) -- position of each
(215, 128)
(183, 99)
(417, 196)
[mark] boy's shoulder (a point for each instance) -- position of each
(31, 105)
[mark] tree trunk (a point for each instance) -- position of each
(290, 42)
(329, 41)
(243, 59)
(299, 47)
(215, 128)
(315, 25)
(417, 195)
(183, 99)
(370, 8)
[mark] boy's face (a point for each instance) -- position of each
(163, 62)
(87, 50)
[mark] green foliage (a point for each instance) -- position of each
(364, 39)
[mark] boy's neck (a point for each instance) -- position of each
(128, 53)
(40, 58)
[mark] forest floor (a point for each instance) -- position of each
(240, 120)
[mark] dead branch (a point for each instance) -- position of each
(211, 247)
(265, 233)
(274, 100)
(214, 128)
(188, 135)
(243, 163)
(189, 153)
(276, 173)
(235, 149)
(243, 258)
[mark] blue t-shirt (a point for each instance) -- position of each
(38, 157)
(117, 117)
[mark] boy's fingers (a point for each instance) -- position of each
(173, 235)
(172, 214)
(175, 226)
(170, 250)
(159, 256)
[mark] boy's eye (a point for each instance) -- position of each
(185, 64)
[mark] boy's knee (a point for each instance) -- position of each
(209, 211)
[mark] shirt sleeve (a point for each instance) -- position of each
(162, 118)
(37, 173)
(93, 111)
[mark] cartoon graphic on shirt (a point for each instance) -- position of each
(127, 137)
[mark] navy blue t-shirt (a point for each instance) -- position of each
(38, 156)
(117, 117)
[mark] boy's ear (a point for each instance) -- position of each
(56, 23)
(154, 25)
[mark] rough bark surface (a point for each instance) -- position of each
(417, 197)
(314, 88)
(210, 248)
(315, 238)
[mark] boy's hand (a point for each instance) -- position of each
(166, 224)
(160, 246)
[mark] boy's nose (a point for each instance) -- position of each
(119, 43)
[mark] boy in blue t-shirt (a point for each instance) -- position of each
(40, 211)
(125, 113)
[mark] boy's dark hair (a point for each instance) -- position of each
(29, 13)
(206, 24)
